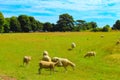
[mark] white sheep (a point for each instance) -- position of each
(26, 60)
(89, 54)
(73, 45)
(46, 64)
(63, 62)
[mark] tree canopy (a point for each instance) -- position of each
(47, 26)
(1, 21)
(66, 22)
(116, 26)
(15, 24)
(25, 23)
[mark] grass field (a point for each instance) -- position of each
(105, 66)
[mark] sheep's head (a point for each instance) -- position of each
(56, 59)
(59, 63)
(45, 53)
(73, 66)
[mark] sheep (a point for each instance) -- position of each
(63, 62)
(46, 64)
(73, 45)
(89, 54)
(46, 56)
(26, 60)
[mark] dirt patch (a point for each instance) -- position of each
(7, 78)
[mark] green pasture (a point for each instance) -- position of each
(105, 66)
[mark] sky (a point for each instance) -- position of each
(100, 11)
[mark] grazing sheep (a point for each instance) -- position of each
(73, 45)
(46, 64)
(118, 42)
(89, 54)
(26, 59)
(63, 62)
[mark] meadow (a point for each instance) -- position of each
(105, 66)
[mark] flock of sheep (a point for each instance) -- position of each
(51, 63)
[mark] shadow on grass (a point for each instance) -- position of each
(70, 49)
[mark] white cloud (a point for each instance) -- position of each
(84, 9)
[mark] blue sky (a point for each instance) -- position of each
(101, 11)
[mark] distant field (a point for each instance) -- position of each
(105, 66)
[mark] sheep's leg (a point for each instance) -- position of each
(50, 71)
(53, 70)
(23, 62)
(65, 69)
(39, 70)
(89, 56)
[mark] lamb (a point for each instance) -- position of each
(89, 54)
(63, 62)
(26, 60)
(46, 56)
(73, 45)
(46, 64)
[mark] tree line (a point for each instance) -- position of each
(24, 23)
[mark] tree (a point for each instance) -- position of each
(6, 25)
(55, 28)
(15, 24)
(96, 29)
(65, 22)
(47, 26)
(81, 25)
(93, 25)
(106, 28)
(25, 23)
(1, 22)
(116, 26)
(39, 25)
(33, 23)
